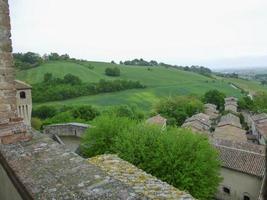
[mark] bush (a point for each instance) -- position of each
(179, 157)
(36, 123)
(85, 112)
(215, 97)
(112, 71)
(101, 138)
(131, 112)
(178, 108)
(245, 103)
(44, 112)
(63, 117)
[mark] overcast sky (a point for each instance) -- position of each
(212, 32)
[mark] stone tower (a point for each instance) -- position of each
(11, 127)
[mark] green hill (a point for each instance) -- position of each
(160, 82)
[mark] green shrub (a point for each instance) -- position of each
(85, 112)
(44, 112)
(36, 123)
(179, 108)
(112, 71)
(101, 138)
(215, 97)
(63, 117)
(177, 156)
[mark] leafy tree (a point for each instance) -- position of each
(53, 56)
(215, 97)
(245, 103)
(178, 108)
(260, 100)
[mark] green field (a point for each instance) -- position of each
(251, 86)
(160, 82)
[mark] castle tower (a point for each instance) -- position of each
(12, 128)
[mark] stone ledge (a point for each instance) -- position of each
(44, 169)
(142, 183)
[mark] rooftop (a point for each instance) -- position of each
(230, 119)
(257, 118)
(242, 160)
(158, 119)
(19, 85)
(201, 117)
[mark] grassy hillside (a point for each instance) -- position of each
(160, 82)
(248, 85)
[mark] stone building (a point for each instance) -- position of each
(230, 104)
(243, 170)
(229, 128)
(211, 111)
(199, 123)
(24, 101)
(158, 120)
(259, 127)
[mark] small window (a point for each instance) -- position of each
(22, 95)
(246, 196)
(226, 190)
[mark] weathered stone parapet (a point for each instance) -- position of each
(142, 183)
(42, 169)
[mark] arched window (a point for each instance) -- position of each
(246, 196)
(22, 95)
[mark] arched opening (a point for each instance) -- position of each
(22, 95)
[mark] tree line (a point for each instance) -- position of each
(70, 86)
(141, 62)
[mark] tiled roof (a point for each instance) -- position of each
(210, 106)
(201, 117)
(241, 160)
(21, 85)
(158, 119)
(239, 145)
(259, 117)
(230, 119)
(230, 99)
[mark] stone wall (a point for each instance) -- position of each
(12, 128)
(67, 129)
(7, 87)
(7, 189)
(240, 184)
